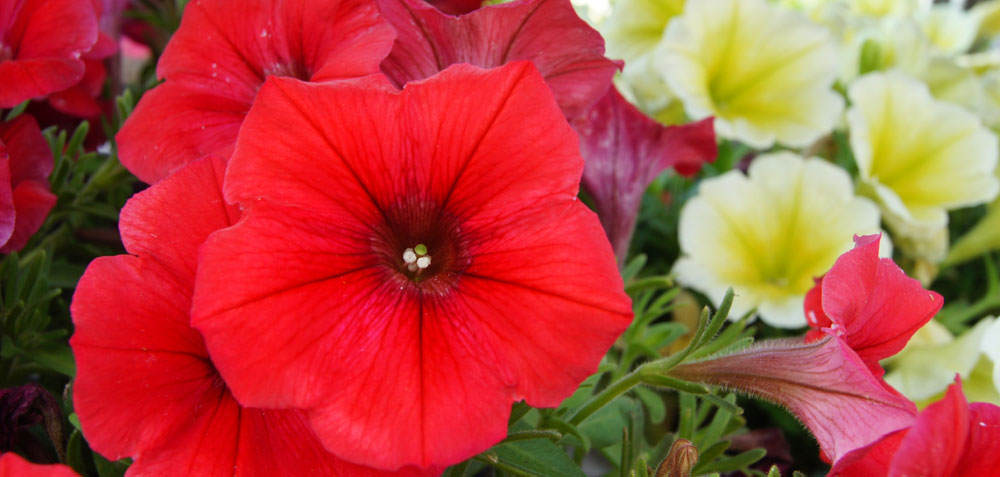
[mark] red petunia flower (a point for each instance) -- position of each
(41, 42)
(870, 303)
(625, 150)
(25, 165)
(567, 51)
(221, 55)
(13, 465)
(950, 437)
(146, 387)
(410, 263)
(81, 99)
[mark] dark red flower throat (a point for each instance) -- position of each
(421, 246)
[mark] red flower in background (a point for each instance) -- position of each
(567, 51)
(870, 303)
(41, 43)
(146, 387)
(410, 263)
(950, 437)
(81, 99)
(25, 165)
(221, 55)
(13, 465)
(625, 150)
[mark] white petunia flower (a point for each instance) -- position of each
(768, 234)
(764, 72)
(950, 28)
(918, 157)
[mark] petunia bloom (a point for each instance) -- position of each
(568, 52)
(81, 99)
(782, 92)
(410, 263)
(221, 55)
(767, 234)
(25, 165)
(146, 387)
(624, 151)
(919, 157)
(950, 437)
(13, 465)
(870, 303)
(41, 42)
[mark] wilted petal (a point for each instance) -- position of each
(822, 383)
(568, 52)
(624, 151)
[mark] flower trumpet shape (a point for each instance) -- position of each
(919, 157)
(950, 437)
(823, 383)
(409, 263)
(764, 72)
(769, 233)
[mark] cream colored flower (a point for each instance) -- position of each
(764, 72)
(950, 28)
(928, 364)
(918, 157)
(882, 44)
(769, 233)
(888, 7)
(635, 26)
(988, 14)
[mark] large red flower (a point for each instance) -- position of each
(220, 57)
(870, 303)
(410, 263)
(568, 52)
(13, 465)
(625, 150)
(25, 165)
(81, 99)
(41, 42)
(950, 437)
(146, 387)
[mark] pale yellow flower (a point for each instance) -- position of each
(918, 157)
(888, 7)
(950, 28)
(924, 369)
(635, 26)
(988, 14)
(769, 233)
(764, 72)
(882, 44)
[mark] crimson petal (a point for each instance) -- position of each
(568, 52)
(625, 150)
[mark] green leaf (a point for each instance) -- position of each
(604, 428)
(655, 406)
(736, 462)
(106, 468)
(532, 458)
(76, 454)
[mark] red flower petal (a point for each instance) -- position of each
(982, 448)
(81, 99)
(44, 41)
(172, 412)
(25, 164)
(220, 57)
(568, 52)
(934, 444)
(625, 150)
(823, 383)
(312, 297)
(13, 465)
(456, 7)
(871, 460)
(873, 304)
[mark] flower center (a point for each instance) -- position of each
(416, 259)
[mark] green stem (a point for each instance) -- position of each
(104, 175)
(606, 395)
(532, 434)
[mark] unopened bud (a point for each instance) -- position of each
(680, 460)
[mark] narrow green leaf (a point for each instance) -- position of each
(539, 457)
